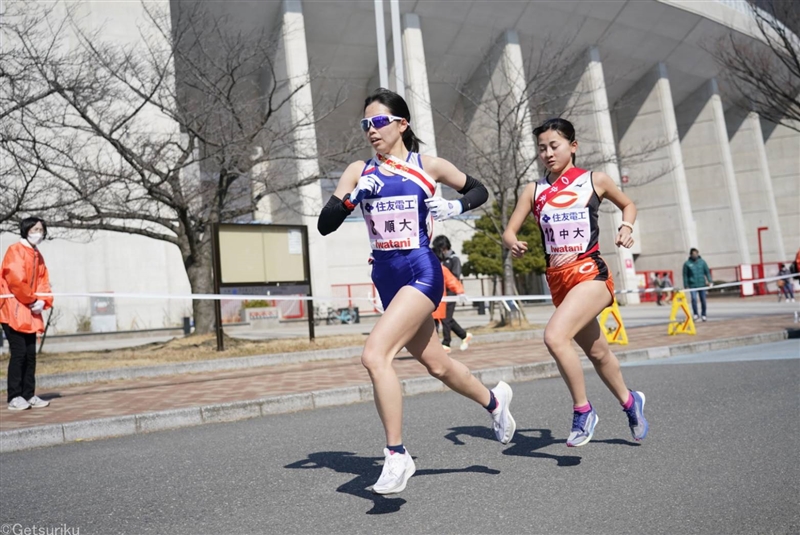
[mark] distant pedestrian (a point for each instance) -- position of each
(785, 286)
(451, 284)
(666, 286)
(655, 282)
(696, 275)
(443, 249)
(23, 274)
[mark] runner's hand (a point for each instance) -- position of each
(366, 184)
(462, 299)
(624, 238)
(519, 248)
(442, 209)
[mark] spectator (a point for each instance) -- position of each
(666, 285)
(656, 283)
(442, 248)
(23, 274)
(696, 275)
(785, 286)
(452, 284)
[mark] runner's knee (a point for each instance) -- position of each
(437, 367)
(373, 360)
(555, 340)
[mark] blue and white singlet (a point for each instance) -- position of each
(397, 222)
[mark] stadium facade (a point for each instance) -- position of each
(703, 171)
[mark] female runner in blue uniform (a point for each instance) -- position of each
(395, 190)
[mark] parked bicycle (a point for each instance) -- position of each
(332, 316)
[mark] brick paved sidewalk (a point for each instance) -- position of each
(137, 396)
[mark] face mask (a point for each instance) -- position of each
(35, 239)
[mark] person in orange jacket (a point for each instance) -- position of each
(23, 274)
(454, 285)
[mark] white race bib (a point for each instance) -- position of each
(392, 222)
(566, 231)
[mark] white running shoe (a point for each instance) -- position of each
(37, 403)
(18, 404)
(446, 348)
(465, 343)
(397, 469)
(502, 422)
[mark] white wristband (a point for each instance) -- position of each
(625, 224)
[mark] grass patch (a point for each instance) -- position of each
(200, 347)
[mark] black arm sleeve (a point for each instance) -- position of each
(333, 215)
(474, 194)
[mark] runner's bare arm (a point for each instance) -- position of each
(606, 188)
(349, 179)
(444, 172)
(521, 211)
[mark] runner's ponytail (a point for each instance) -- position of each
(410, 140)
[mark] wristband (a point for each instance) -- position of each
(625, 224)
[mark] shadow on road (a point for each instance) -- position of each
(523, 445)
(367, 471)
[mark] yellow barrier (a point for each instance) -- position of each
(614, 335)
(683, 326)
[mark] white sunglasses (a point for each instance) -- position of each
(378, 121)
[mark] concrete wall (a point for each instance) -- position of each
(783, 153)
(709, 176)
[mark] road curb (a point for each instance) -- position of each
(233, 363)
(50, 435)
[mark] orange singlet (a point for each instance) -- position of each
(567, 213)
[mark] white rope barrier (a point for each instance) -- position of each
(269, 297)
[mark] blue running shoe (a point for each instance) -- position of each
(583, 425)
(636, 417)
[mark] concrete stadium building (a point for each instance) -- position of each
(703, 171)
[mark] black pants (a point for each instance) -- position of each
(449, 324)
(22, 364)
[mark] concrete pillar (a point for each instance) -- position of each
(650, 148)
(418, 95)
(782, 145)
(303, 204)
(754, 184)
(514, 72)
(592, 120)
(497, 88)
(707, 159)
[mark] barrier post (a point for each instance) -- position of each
(676, 326)
(614, 335)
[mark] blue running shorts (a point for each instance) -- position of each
(413, 267)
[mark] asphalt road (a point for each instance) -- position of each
(721, 457)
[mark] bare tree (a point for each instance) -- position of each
(163, 138)
(766, 74)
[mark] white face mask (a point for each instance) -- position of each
(35, 239)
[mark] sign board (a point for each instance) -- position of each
(261, 254)
(261, 260)
(747, 288)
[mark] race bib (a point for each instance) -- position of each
(566, 231)
(392, 222)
